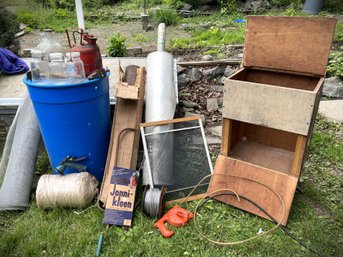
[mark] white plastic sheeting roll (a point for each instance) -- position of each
(160, 104)
(74, 190)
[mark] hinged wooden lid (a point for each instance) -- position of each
(297, 44)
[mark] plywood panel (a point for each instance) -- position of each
(274, 107)
(262, 155)
(285, 185)
(300, 44)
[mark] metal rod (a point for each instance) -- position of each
(170, 130)
(205, 144)
(147, 161)
(176, 190)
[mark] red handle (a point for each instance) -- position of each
(163, 228)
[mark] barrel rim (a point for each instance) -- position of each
(30, 83)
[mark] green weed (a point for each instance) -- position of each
(335, 66)
(117, 47)
(169, 17)
(211, 37)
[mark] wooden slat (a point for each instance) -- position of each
(281, 108)
(212, 63)
(166, 122)
(128, 114)
(300, 44)
(226, 136)
(285, 185)
(298, 155)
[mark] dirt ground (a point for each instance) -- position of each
(132, 31)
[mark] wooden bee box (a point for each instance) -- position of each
(269, 108)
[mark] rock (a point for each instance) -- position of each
(206, 25)
(183, 80)
(240, 56)
(181, 69)
(220, 110)
(195, 74)
(190, 114)
(150, 28)
(132, 51)
(218, 88)
(20, 34)
(185, 109)
(213, 73)
(256, 5)
(189, 104)
(212, 104)
(332, 110)
(222, 80)
(22, 26)
(27, 52)
(207, 57)
(213, 141)
(228, 71)
(186, 7)
(333, 87)
(215, 131)
(185, 26)
(205, 8)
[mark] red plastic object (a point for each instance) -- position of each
(176, 217)
(89, 54)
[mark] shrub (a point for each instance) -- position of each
(9, 25)
(228, 6)
(28, 18)
(169, 17)
(335, 67)
(117, 46)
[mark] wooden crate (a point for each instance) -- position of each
(269, 108)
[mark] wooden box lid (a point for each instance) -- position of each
(296, 44)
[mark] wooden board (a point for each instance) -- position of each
(285, 185)
(281, 108)
(262, 155)
(300, 44)
(123, 152)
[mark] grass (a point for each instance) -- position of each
(316, 219)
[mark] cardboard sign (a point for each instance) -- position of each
(121, 197)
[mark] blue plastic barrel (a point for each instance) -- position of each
(75, 121)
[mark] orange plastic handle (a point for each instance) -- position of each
(163, 228)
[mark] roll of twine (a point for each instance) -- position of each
(152, 202)
(74, 190)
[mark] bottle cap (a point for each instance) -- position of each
(75, 54)
(36, 53)
(56, 57)
(68, 56)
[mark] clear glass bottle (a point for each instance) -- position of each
(79, 69)
(39, 68)
(48, 44)
(74, 67)
(58, 73)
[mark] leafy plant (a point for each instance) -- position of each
(9, 25)
(339, 32)
(28, 17)
(335, 67)
(211, 37)
(117, 46)
(169, 17)
(228, 6)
